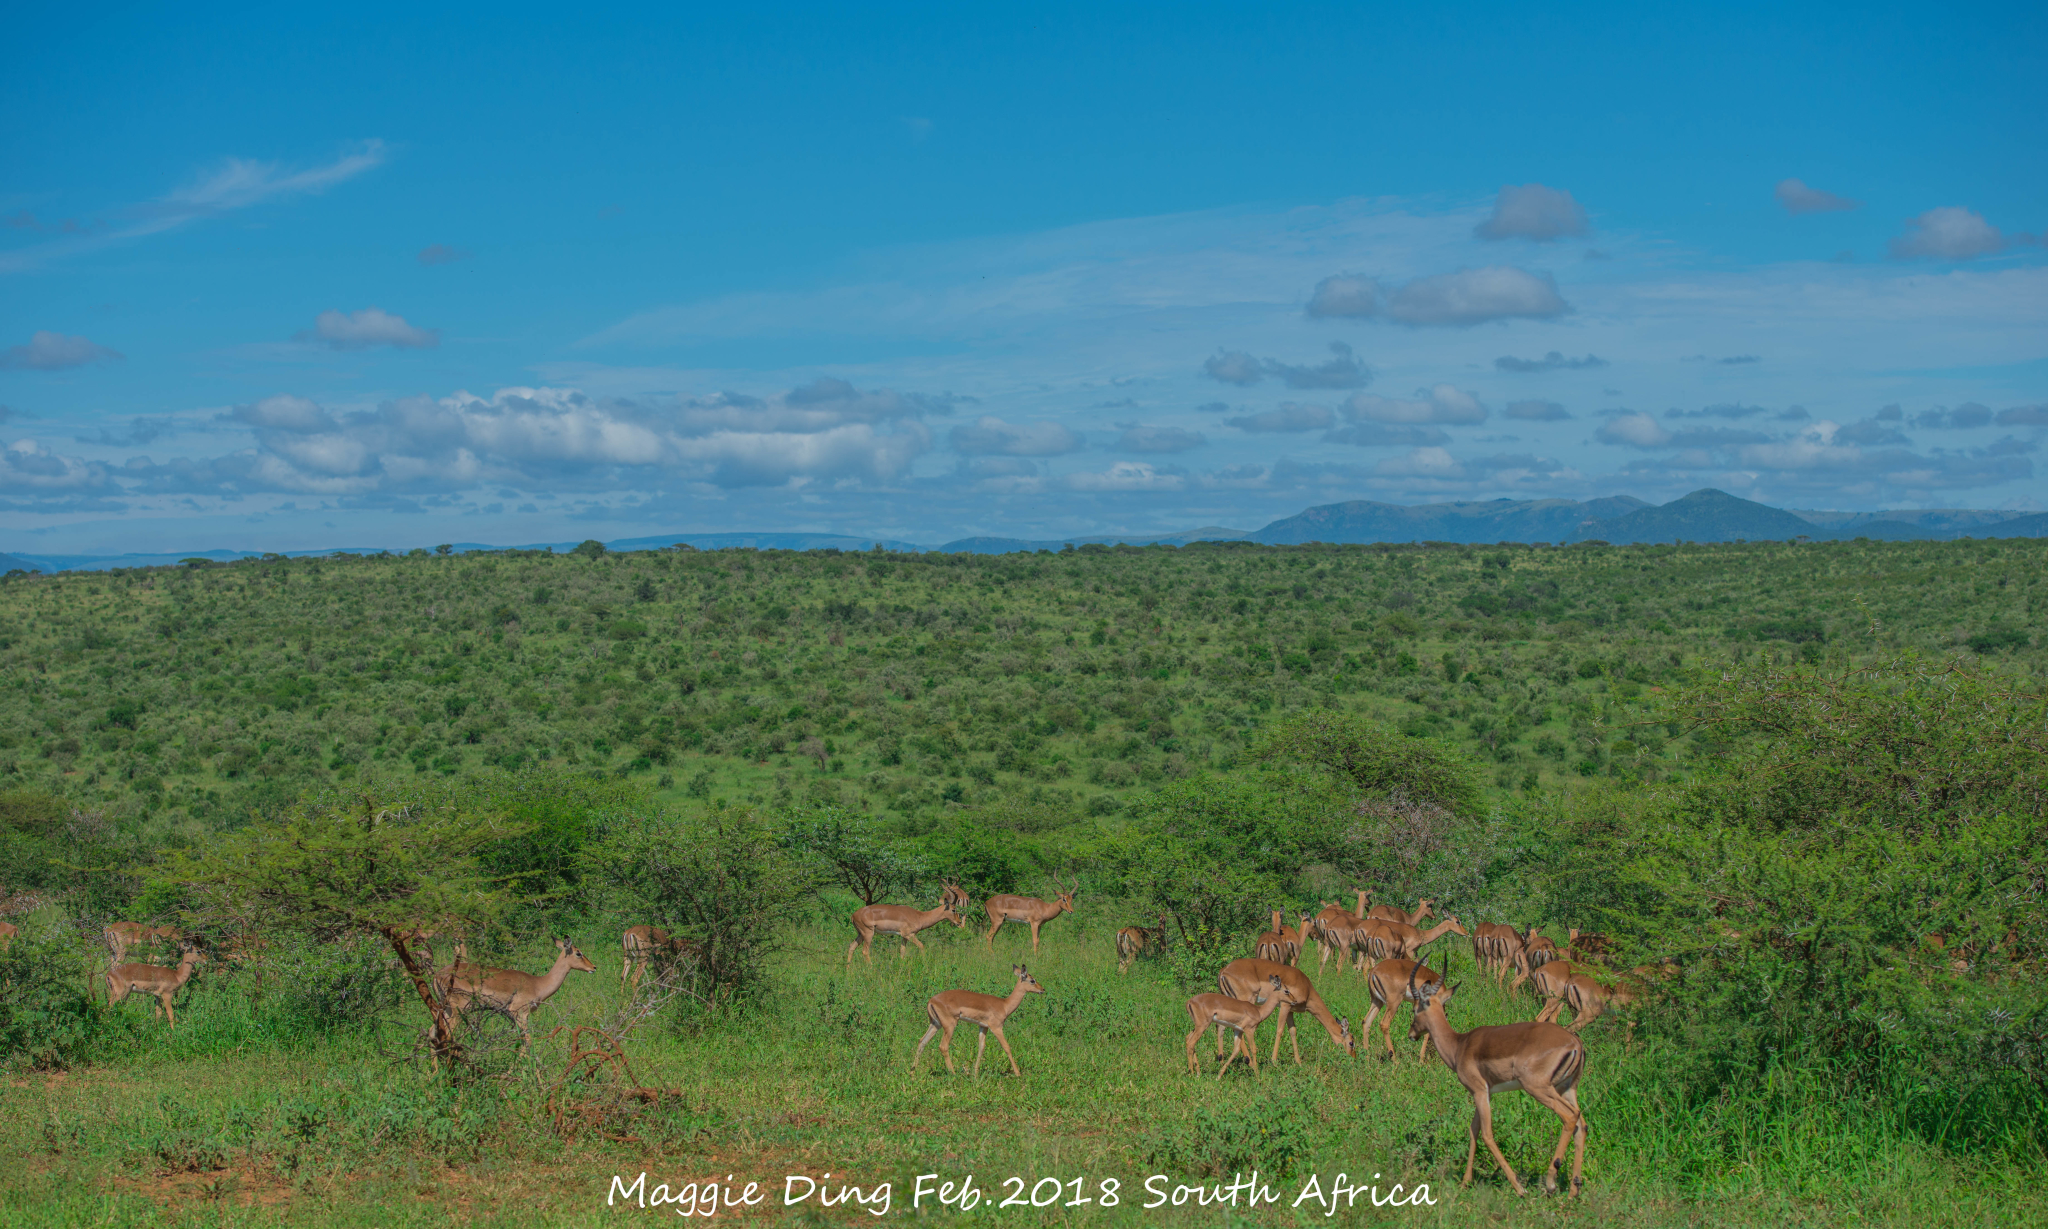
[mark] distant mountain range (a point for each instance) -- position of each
(1703, 516)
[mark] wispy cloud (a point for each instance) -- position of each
(236, 183)
(47, 351)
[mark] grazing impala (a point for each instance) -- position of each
(1134, 941)
(1493, 945)
(154, 980)
(644, 946)
(1241, 978)
(509, 992)
(1588, 997)
(1223, 1011)
(900, 920)
(1392, 983)
(1541, 1059)
(945, 1011)
(1027, 909)
(1395, 941)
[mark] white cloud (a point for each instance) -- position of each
(26, 465)
(1444, 403)
(1345, 296)
(285, 413)
(1950, 232)
(47, 351)
(1634, 430)
(1553, 361)
(1797, 198)
(1532, 211)
(994, 436)
(1341, 370)
(1537, 411)
(369, 327)
(1476, 296)
(1128, 476)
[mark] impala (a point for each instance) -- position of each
(1391, 983)
(1548, 981)
(946, 1010)
(153, 979)
(1541, 1059)
(1389, 913)
(509, 992)
(1132, 942)
(1589, 998)
(122, 937)
(1028, 909)
(1534, 951)
(1241, 978)
(1492, 945)
(644, 946)
(956, 896)
(900, 920)
(1588, 947)
(1282, 944)
(1333, 914)
(1397, 941)
(1223, 1011)
(7, 932)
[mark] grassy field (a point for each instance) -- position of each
(249, 1113)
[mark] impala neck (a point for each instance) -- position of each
(1276, 921)
(1449, 1042)
(552, 980)
(1011, 1000)
(932, 917)
(1438, 931)
(1361, 904)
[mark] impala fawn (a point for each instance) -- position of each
(1240, 1017)
(946, 1010)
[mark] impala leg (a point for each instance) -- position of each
(1550, 1011)
(1571, 1098)
(1219, 1041)
(929, 1033)
(992, 932)
(1280, 1026)
(1034, 938)
(1483, 1119)
(1471, 1145)
(1005, 1043)
(910, 941)
(1234, 1048)
(1365, 1029)
(980, 1049)
(1569, 1116)
(946, 1048)
(1194, 1068)
(1252, 1052)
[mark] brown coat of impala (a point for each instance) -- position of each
(1493, 945)
(1240, 1017)
(1241, 979)
(7, 932)
(1588, 996)
(1334, 914)
(1392, 983)
(508, 991)
(644, 947)
(1282, 944)
(1134, 941)
(946, 1010)
(1541, 1059)
(900, 920)
(956, 896)
(1027, 909)
(154, 980)
(1398, 941)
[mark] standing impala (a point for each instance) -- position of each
(1282, 944)
(899, 920)
(946, 1010)
(1493, 946)
(123, 937)
(644, 945)
(1223, 1011)
(1334, 915)
(155, 980)
(1240, 979)
(1408, 940)
(1392, 983)
(1541, 1059)
(1028, 909)
(1533, 951)
(508, 991)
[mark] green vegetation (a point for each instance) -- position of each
(1814, 776)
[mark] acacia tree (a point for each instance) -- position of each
(364, 863)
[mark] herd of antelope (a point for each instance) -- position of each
(1381, 943)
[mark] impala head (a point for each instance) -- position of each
(952, 915)
(1457, 927)
(1027, 982)
(1066, 902)
(577, 960)
(1286, 992)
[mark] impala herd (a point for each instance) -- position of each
(1383, 944)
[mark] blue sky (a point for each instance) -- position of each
(277, 279)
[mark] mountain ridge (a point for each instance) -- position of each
(1705, 515)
